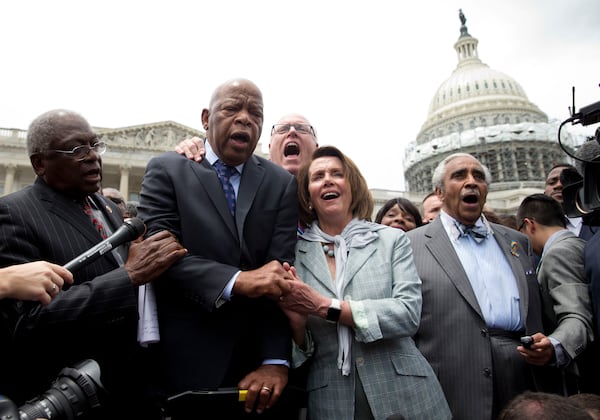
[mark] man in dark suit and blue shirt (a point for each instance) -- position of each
(219, 322)
(479, 295)
(56, 219)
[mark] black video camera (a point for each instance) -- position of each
(76, 392)
(581, 192)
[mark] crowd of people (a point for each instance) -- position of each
(268, 276)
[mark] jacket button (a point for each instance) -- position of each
(360, 361)
(487, 372)
(484, 332)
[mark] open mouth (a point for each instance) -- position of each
(291, 149)
(330, 195)
(471, 199)
(242, 137)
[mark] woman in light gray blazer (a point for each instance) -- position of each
(355, 303)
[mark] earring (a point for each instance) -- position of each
(309, 207)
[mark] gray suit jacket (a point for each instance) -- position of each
(453, 335)
(565, 295)
(384, 292)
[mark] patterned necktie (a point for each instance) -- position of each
(225, 173)
(479, 233)
(87, 209)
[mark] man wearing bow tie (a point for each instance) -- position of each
(479, 295)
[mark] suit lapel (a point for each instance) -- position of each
(443, 252)
(311, 258)
(356, 259)
(68, 210)
(251, 179)
(209, 180)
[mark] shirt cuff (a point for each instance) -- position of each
(227, 291)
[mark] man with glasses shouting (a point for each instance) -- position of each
(293, 141)
(58, 218)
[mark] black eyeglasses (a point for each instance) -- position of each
(301, 128)
(522, 225)
(81, 152)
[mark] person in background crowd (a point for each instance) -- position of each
(58, 218)
(565, 296)
(589, 402)
(540, 405)
(431, 206)
(237, 215)
(480, 295)
(132, 208)
(559, 174)
(357, 293)
(116, 197)
(399, 213)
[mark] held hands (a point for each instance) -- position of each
(149, 258)
(192, 148)
(39, 280)
(270, 280)
(541, 351)
(301, 298)
(264, 386)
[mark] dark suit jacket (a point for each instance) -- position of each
(453, 335)
(89, 319)
(202, 345)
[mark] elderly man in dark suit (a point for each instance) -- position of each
(219, 322)
(479, 295)
(56, 219)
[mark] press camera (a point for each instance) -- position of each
(76, 393)
(581, 192)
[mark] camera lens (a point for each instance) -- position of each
(74, 394)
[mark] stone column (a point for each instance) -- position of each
(9, 179)
(124, 183)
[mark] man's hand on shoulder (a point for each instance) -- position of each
(151, 257)
(192, 148)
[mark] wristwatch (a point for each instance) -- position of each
(334, 311)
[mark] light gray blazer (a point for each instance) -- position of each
(565, 295)
(453, 335)
(384, 290)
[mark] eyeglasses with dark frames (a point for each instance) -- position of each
(81, 152)
(301, 128)
(522, 225)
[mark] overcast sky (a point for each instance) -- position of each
(363, 72)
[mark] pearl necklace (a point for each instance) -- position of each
(328, 250)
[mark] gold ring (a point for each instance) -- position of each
(267, 389)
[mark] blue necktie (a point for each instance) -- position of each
(479, 233)
(225, 173)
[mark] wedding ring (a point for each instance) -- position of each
(53, 287)
(267, 389)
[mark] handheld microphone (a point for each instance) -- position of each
(131, 229)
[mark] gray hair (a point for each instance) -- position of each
(42, 130)
(440, 171)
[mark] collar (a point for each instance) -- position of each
(212, 157)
